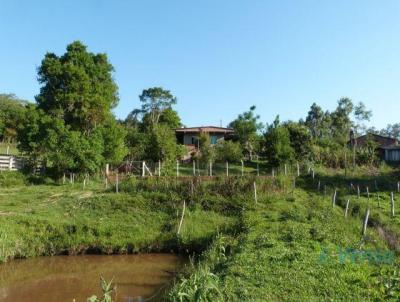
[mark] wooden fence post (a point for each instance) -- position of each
(365, 224)
(116, 184)
(107, 169)
(211, 172)
(334, 198)
(106, 182)
(194, 167)
(379, 201)
(358, 191)
(347, 208)
(298, 169)
(242, 167)
(255, 192)
(8, 150)
(183, 214)
(143, 169)
(10, 163)
(398, 187)
(159, 168)
(227, 169)
(273, 173)
(177, 168)
(392, 203)
(313, 174)
(319, 185)
(368, 193)
(285, 170)
(84, 182)
(70, 178)
(64, 179)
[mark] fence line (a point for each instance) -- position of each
(10, 163)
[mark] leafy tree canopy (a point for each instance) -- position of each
(77, 87)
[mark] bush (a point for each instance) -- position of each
(229, 151)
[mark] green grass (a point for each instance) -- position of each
(52, 219)
(12, 149)
(293, 245)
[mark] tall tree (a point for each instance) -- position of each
(154, 101)
(246, 127)
(77, 87)
(72, 128)
(277, 144)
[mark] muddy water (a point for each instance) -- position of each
(65, 278)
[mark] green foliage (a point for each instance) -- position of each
(11, 112)
(161, 144)
(155, 101)
(277, 144)
(77, 87)
(72, 128)
(113, 135)
(202, 286)
(246, 127)
(300, 140)
(107, 288)
(229, 151)
(207, 151)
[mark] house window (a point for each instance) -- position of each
(214, 139)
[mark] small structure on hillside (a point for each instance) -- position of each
(387, 147)
(190, 136)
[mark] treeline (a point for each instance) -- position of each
(70, 127)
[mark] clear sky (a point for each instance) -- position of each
(219, 57)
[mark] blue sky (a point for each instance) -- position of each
(219, 57)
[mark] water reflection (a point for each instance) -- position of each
(65, 278)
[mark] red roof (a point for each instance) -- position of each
(207, 129)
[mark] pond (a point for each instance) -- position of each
(65, 278)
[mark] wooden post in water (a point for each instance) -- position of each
(255, 192)
(116, 183)
(242, 167)
(347, 208)
(392, 203)
(365, 224)
(334, 198)
(183, 215)
(227, 169)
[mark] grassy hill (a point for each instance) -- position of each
(292, 244)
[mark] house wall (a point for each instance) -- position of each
(392, 155)
(191, 138)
